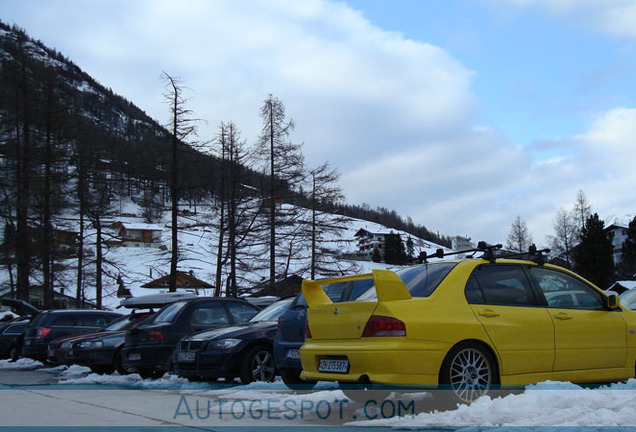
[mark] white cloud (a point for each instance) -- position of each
(611, 16)
(395, 116)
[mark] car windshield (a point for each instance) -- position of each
(421, 281)
(273, 311)
(169, 313)
(628, 299)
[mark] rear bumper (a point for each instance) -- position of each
(281, 351)
(395, 361)
(34, 350)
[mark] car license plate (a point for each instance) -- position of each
(185, 356)
(333, 366)
(134, 356)
(293, 353)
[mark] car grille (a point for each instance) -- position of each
(191, 345)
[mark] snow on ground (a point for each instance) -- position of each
(553, 404)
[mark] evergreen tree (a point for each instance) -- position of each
(594, 254)
(394, 249)
(627, 268)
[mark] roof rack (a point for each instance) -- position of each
(489, 253)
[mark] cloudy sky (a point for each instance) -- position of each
(462, 114)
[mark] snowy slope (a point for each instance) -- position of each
(198, 239)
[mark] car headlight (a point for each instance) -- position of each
(91, 344)
(223, 343)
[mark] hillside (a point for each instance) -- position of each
(75, 158)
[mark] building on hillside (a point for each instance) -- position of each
(60, 300)
(185, 281)
(369, 241)
(619, 232)
(136, 234)
(459, 243)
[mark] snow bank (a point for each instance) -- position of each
(544, 404)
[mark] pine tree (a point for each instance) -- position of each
(594, 254)
(519, 238)
(627, 268)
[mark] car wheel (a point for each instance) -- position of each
(118, 365)
(291, 378)
(469, 371)
(258, 365)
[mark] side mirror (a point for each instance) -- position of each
(612, 301)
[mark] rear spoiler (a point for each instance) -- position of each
(388, 286)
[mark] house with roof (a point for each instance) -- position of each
(619, 232)
(185, 281)
(368, 241)
(136, 234)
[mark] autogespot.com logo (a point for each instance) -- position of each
(199, 408)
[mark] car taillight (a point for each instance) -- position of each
(379, 325)
(154, 336)
(307, 331)
(42, 332)
(279, 328)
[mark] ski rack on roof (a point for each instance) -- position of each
(537, 256)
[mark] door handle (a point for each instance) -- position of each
(563, 316)
(488, 313)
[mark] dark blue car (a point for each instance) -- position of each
(291, 330)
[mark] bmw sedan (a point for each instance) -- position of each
(471, 326)
(243, 351)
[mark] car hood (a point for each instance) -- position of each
(75, 337)
(107, 336)
(234, 331)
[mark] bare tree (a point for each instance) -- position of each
(283, 165)
(181, 128)
(519, 238)
(582, 209)
(565, 235)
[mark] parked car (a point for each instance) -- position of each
(148, 348)
(10, 335)
(470, 325)
(102, 352)
(57, 352)
(243, 350)
(12, 332)
(291, 330)
(628, 299)
(53, 324)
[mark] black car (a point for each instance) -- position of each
(243, 351)
(99, 351)
(148, 347)
(291, 330)
(12, 332)
(53, 324)
(10, 335)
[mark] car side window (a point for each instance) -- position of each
(90, 320)
(64, 320)
(564, 291)
(241, 312)
(500, 284)
(210, 313)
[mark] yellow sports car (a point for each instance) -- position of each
(471, 325)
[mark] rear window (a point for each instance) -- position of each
(421, 281)
(169, 313)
